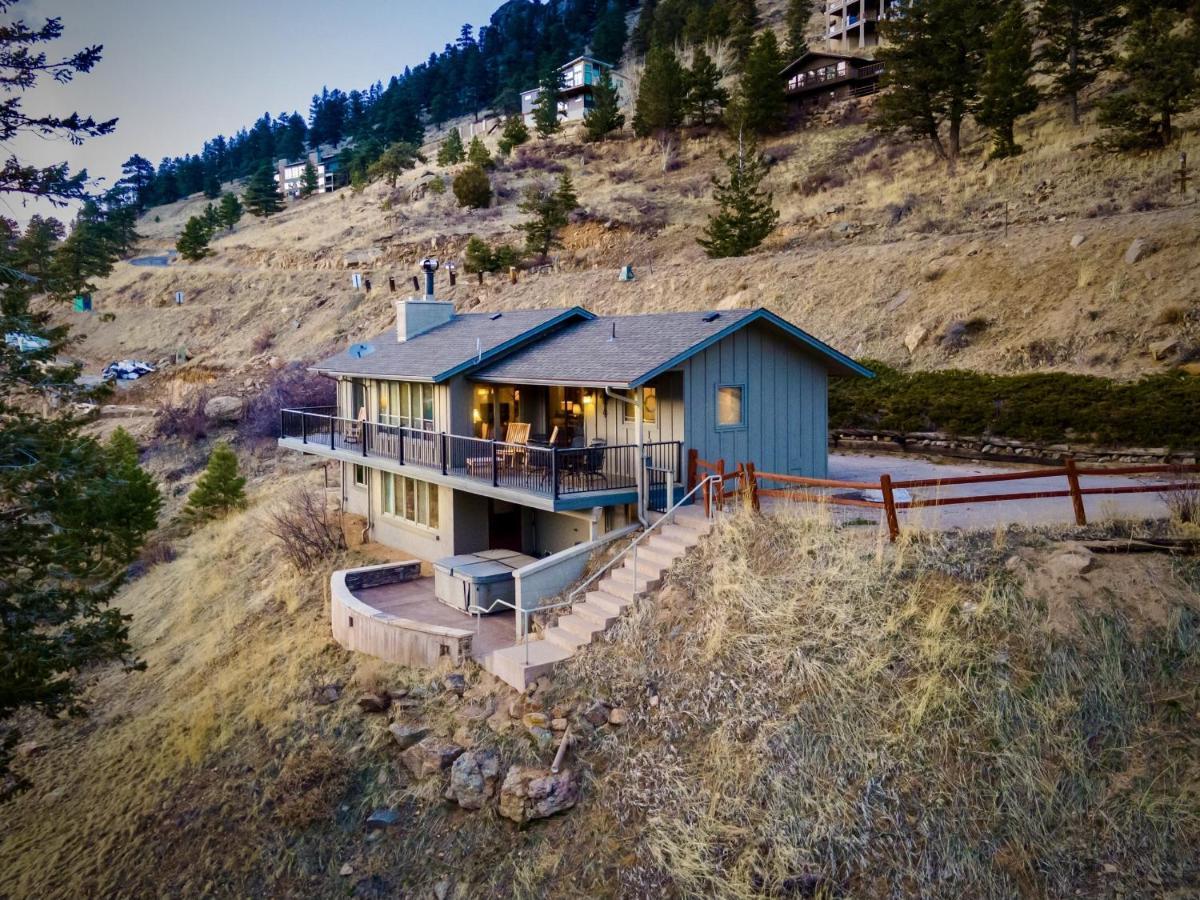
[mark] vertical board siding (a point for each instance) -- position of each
(784, 398)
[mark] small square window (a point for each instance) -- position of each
(360, 476)
(730, 411)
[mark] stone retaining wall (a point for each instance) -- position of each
(999, 449)
(364, 629)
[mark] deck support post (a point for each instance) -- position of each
(693, 460)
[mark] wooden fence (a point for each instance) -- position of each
(752, 485)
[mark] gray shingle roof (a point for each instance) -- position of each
(440, 352)
(585, 353)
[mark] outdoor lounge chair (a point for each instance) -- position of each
(353, 430)
(515, 440)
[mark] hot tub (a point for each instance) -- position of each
(478, 579)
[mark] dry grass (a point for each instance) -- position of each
(837, 718)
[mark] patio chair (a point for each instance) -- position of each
(517, 440)
(593, 461)
(353, 430)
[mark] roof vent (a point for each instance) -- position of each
(711, 317)
(495, 316)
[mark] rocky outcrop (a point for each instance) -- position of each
(533, 792)
(224, 409)
(473, 778)
(430, 756)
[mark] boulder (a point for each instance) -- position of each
(1077, 241)
(374, 703)
(847, 229)
(224, 408)
(534, 792)
(1070, 561)
(1139, 250)
(327, 693)
(559, 724)
(835, 209)
(473, 778)
(430, 756)
(454, 683)
(915, 337)
(1164, 348)
(382, 818)
(596, 714)
(408, 735)
(275, 362)
(477, 712)
(617, 716)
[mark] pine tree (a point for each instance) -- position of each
(548, 212)
(746, 215)
(308, 184)
(1077, 39)
(230, 210)
(705, 96)
(397, 159)
(472, 187)
(132, 501)
(192, 243)
(796, 22)
(212, 186)
(513, 135)
(262, 197)
(761, 104)
(545, 108)
(743, 16)
(478, 155)
(605, 116)
(933, 60)
(220, 488)
(662, 94)
(608, 40)
(1160, 78)
(1005, 91)
(211, 217)
(451, 152)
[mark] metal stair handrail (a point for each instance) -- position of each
(633, 545)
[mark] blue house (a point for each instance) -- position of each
(536, 430)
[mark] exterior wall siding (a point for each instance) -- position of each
(784, 401)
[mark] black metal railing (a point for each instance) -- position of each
(542, 470)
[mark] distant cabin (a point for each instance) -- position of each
(579, 78)
(820, 77)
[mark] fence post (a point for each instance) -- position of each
(400, 443)
(889, 506)
(332, 430)
(752, 483)
(364, 430)
(304, 428)
(1076, 494)
(495, 467)
(442, 450)
(554, 470)
(693, 457)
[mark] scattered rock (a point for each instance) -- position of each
(1164, 348)
(224, 409)
(533, 792)
(1139, 250)
(516, 707)
(558, 724)
(915, 337)
(835, 210)
(597, 713)
(543, 738)
(275, 362)
(478, 712)
(535, 720)
(617, 716)
(473, 778)
(430, 756)
(441, 890)
(1078, 241)
(847, 229)
(327, 693)
(408, 735)
(899, 300)
(346, 869)
(398, 693)
(1071, 560)
(374, 703)
(382, 818)
(455, 683)
(937, 267)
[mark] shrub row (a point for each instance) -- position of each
(1156, 411)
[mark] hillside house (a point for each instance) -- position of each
(579, 78)
(820, 77)
(289, 174)
(532, 430)
(854, 24)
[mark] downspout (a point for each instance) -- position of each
(640, 469)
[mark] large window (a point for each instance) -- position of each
(731, 412)
(407, 404)
(409, 499)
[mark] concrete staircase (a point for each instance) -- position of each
(607, 600)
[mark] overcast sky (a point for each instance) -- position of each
(177, 72)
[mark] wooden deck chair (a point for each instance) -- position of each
(517, 439)
(353, 432)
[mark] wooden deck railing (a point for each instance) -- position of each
(753, 485)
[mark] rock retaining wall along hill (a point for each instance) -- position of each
(999, 449)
